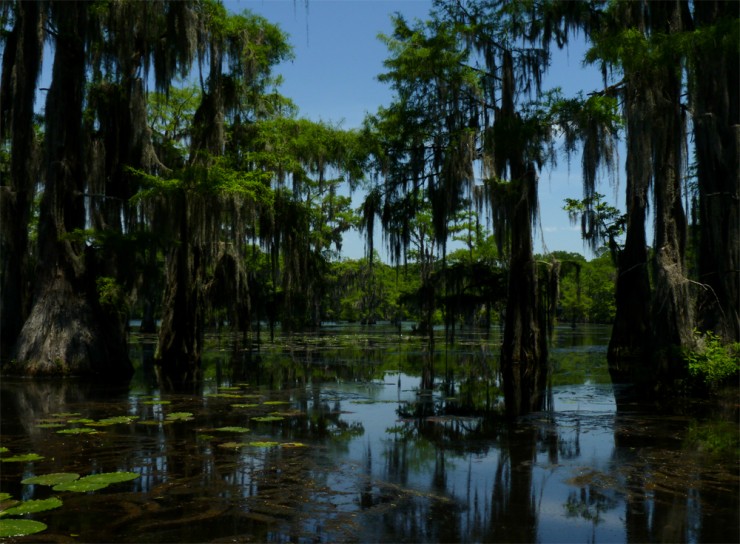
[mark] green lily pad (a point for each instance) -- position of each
(78, 430)
(244, 405)
(117, 420)
(80, 486)
(51, 479)
(264, 444)
(50, 425)
(20, 527)
(232, 429)
(3, 449)
(230, 388)
(111, 477)
(81, 420)
(293, 445)
(25, 458)
(179, 416)
(232, 445)
(156, 402)
(276, 402)
(66, 414)
(5, 496)
(224, 396)
(32, 506)
(268, 418)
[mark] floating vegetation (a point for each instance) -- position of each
(230, 388)
(65, 415)
(3, 449)
(266, 444)
(275, 402)
(81, 421)
(156, 402)
(244, 405)
(265, 419)
(232, 445)
(109, 421)
(51, 479)
(288, 413)
(95, 482)
(78, 430)
(32, 506)
(5, 496)
(232, 429)
(225, 396)
(25, 458)
(20, 527)
(179, 416)
(50, 425)
(293, 445)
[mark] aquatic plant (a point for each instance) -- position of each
(32, 507)
(712, 362)
(51, 479)
(23, 458)
(20, 527)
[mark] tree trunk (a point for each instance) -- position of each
(630, 340)
(67, 332)
(182, 330)
(21, 65)
(671, 311)
(523, 360)
(716, 122)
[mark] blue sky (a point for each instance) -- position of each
(333, 78)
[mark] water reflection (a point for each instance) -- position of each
(346, 443)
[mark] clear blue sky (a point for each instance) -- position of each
(333, 78)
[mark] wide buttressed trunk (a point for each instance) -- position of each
(67, 331)
(182, 329)
(671, 312)
(716, 120)
(20, 70)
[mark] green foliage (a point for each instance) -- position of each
(20, 527)
(712, 362)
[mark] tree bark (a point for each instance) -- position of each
(716, 119)
(67, 332)
(20, 71)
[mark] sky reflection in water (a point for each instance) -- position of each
(361, 456)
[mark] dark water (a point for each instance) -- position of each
(354, 451)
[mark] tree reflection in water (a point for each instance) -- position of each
(383, 458)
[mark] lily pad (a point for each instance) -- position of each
(268, 418)
(224, 396)
(4, 449)
(82, 420)
(156, 402)
(264, 444)
(50, 425)
(293, 445)
(32, 506)
(117, 420)
(232, 429)
(111, 477)
(179, 416)
(230, 388)
(20, 527)
(244, 405)
(66, 414)
(5, 496)
(275, 402)
(80, 486)
(78, 430)
(25, 458)
(232, 445)
(51, 479)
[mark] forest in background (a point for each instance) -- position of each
(137, 191)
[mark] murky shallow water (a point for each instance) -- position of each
(343, 446)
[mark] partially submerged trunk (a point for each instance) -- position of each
(716, 119)
(67, 331)
(523, 353)
(182, 329)
(20, 70)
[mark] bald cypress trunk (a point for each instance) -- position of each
(716, 119)
(67, 331)
(20, 71)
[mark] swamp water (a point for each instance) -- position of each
(329, 438)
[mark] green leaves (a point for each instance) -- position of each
(32, 507)
(20, 527)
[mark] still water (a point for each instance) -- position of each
(329, 437)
